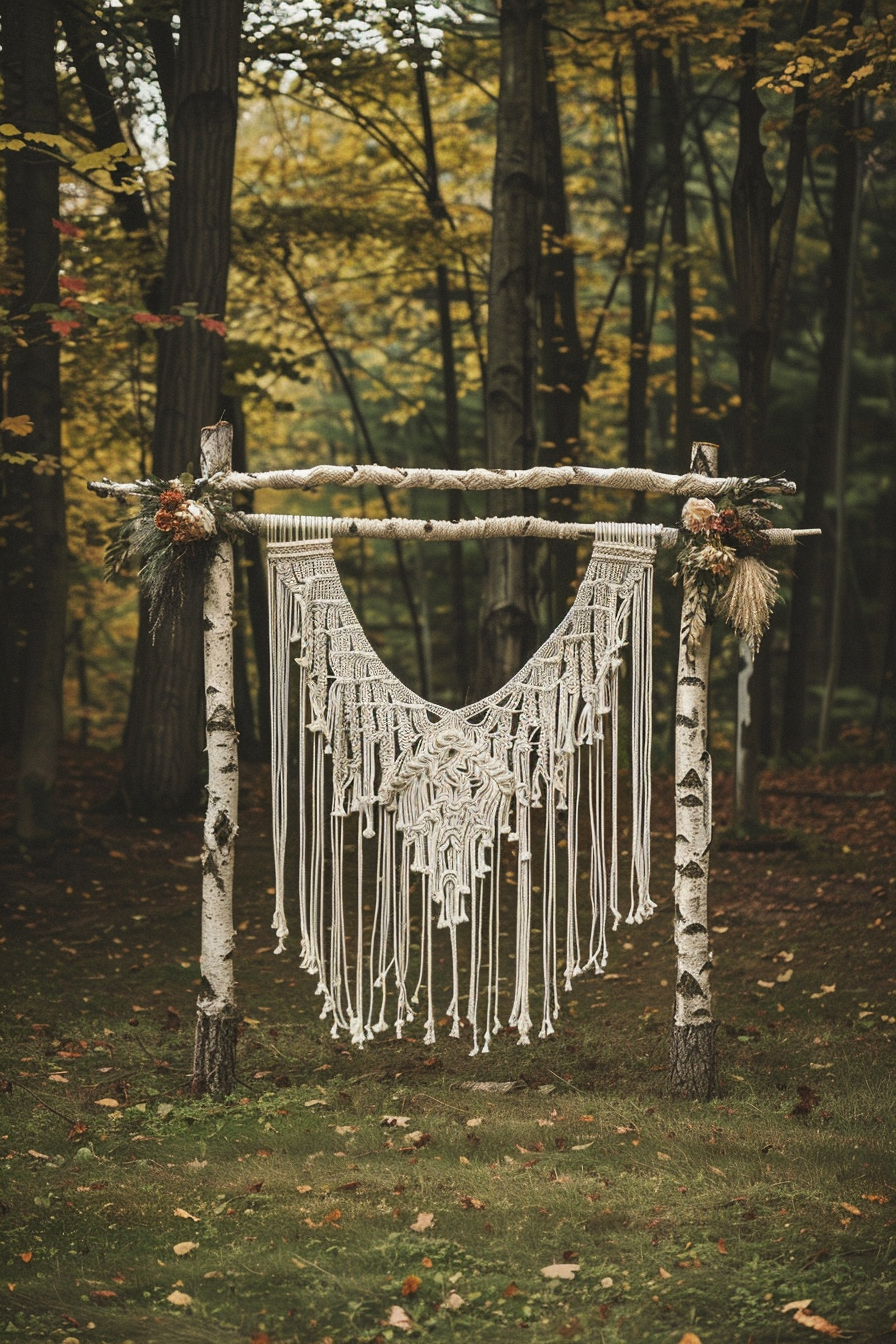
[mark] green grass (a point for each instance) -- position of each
(680, 1217)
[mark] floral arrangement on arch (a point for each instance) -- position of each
(723, 566)
(172, 537)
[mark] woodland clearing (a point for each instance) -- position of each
(291, 1211)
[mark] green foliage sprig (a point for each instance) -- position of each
(172, 537)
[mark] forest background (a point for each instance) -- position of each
(441, 235)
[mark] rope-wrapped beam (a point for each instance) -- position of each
(479, 478)
(276, 526)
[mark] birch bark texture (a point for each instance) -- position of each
(214, 1057)
(693, 1068)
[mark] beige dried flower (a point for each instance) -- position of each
(717, 559)
(696, 514)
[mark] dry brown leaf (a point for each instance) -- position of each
(423, 1222)
(25, 1256)
(664, 1273)
(813, 1322)
(303, 1189)
(399, 1318)
(851, 1208)
(511, 1291)
(396, 1122)
(179, 1299)
(723, 1249)
(689, 1338)
(470, 1202)
(185, 1247)
(797, 1306)
(560, 1271)
(410, 1285)
(107, 1101)
(877, 1199)
(182, 1213)
(454, 1301)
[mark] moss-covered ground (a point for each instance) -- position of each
(311, 1220)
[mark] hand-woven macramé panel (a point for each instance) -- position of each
(411, 817)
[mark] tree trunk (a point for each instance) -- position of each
(162, 741)
(807, 559)
(449, 381)
(639, 337)
(673, 128)
(761, 280)
(563, 370)
(693, 1070)
(214, 1057)
(82, 44)
(507, 629)
(841, 435)
(32, 388)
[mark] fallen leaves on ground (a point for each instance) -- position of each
(808, 1100)
(470, 1202)
(454, 1301)
(107, 1101)
(396, 1121)
(410, 1285)
(566, 1270)
(185, 1247)
(803, 1316)
(423, 1222)
(103, 1295)
(689, 1338)
(25, 1256)
(179, 1299)
(182, 1213)
(399, 1319)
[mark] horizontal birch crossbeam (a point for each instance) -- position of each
(276, 527)
(635, 479)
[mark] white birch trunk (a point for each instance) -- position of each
(214, 1060)
(693, 1069)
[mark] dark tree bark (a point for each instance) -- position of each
(639, 336)
(163, 734)
(32, 388)
(693, 1067)
(82, 44)
(449, 382)
(507, 618)
(676, 173)
(762, 274)
(807, 560)
(563, 370)
(244, 708)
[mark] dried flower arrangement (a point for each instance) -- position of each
(722, 561)
(173, 536)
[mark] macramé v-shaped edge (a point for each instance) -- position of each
(404, 806)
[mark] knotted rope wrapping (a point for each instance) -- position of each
(407, 810)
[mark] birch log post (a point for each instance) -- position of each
(214, 1057)
(693, 1070)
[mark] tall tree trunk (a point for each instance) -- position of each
(807, 559)
(82, 44)
(507, 618)
(673, 127)
(244, 708)
(563, 370)
(29, 69)
(840, 436)
(449, 380)
(639, 337)
(163, 734)
(762, 275)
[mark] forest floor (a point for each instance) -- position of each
(291, 1212)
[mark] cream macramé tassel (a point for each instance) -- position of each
(748, 600)
(410, 813)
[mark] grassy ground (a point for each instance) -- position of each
(310, 1218)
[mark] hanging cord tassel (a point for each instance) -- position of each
(436, 788)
